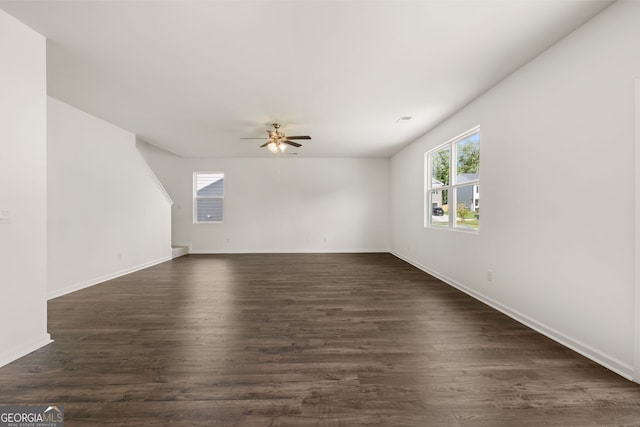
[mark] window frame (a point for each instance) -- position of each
(451, 187)
(196, 197)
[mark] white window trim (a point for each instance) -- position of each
(196, 197)
(451, 187)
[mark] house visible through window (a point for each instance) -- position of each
(452, 187)
(208, 196)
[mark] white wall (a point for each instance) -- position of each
(282, 204)
(557, 193)
(107, 214)
(23, 190)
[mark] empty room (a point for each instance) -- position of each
(320, 213)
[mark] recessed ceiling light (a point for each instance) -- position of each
(403, 119)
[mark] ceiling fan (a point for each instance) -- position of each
(277, 141)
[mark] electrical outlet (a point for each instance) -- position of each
(489, 275)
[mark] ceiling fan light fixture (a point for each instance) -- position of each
(273, 147)
(276, 146)
(278, 142)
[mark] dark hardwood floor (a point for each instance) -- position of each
(304, 340)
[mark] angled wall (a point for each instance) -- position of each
(23, 190)
(557, 193)
(107, 214)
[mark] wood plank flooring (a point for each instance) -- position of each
(304, 340)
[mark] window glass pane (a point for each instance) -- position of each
(440, 165)
(452, 183)
(209, 210)
(438, 214)
(210, 185)
(468, 151)
(468, 206)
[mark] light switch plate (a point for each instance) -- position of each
(5, 217)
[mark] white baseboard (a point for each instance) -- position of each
(178, 251)
(623, 369)
(188, 246)
(285, 251)
(8, 356)
(76, 287)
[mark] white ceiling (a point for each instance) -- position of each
(193, 77)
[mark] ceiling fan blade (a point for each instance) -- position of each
(253, 138)
(299, 137)
(265, 144)
(295, 144)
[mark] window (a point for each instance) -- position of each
(452, 184)
(208, 196)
